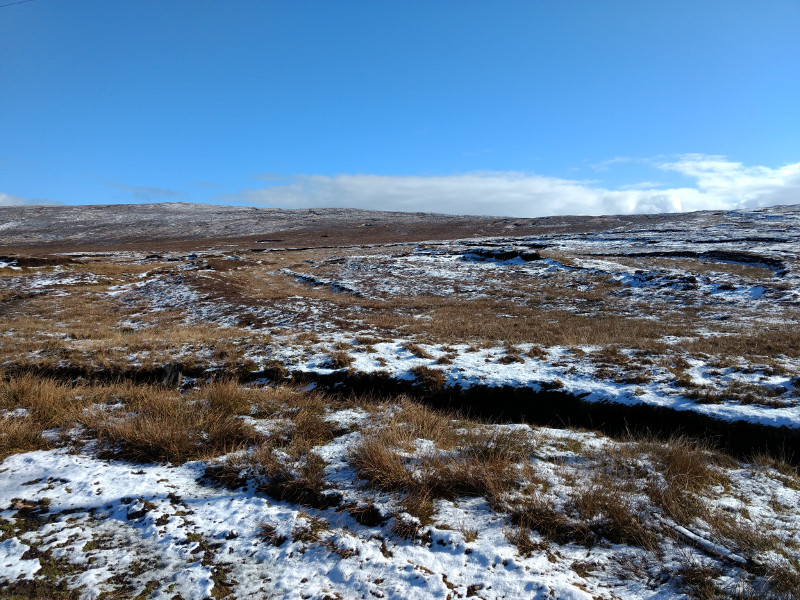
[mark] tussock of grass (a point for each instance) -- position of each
(415, 420)
(268, 401)
(285, 465)
(741, 535)
(779, 468)
(417, 514)
(478, 463)
(164, 426)
(783, 580)
(310, 429)
(229, 398)
(626, 486)
(610, 511)
(417, 350)
(48, 402)
(20, 434)
(684, 471)
(484, 472)
(339, 359)
(269, 533)
(302, 483)
(510, 358)
(431, 380)
(699, 580)
(311, 530)
(497, 444)
(381, 465)
(536, 512)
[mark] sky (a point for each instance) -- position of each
(507, 108)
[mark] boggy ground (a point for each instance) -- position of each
(698, 317)
(123, 425)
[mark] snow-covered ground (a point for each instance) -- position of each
(165, 531)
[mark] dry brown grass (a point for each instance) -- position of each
(605, 503)
(302, 482)
(468, 473)
(87, 330)
(431, 380)
(229, 398)
(618, 495)
(537, 513)
(612, 502)
(698, 579)
(339, 360)
(610, 511)
(697, 266)
(685, 462)
(226, 351)
(455, 322)
(311, 529)
(52, 404)
(20, 434)
(107, 267)
(778, 468)
(161, 425)
(285, 464)
(417, 350)
(412, 420)
(269, 533)
(480, 463)
(270, 400)
(381, 465)
(452, 319)
(766, 341)
(783, 580)
(49, 403)
(310, 429)
(684, 469)
(741, 535)
(83, 329)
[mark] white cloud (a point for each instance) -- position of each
(642, 185)
(738, 185)
(719, 184)
(11, 200)
(503, 193)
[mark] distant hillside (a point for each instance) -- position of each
(139, 224)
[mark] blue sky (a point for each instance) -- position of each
(519, 108)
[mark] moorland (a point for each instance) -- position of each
(201, 401)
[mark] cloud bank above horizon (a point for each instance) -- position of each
(12, 200)
(706, 183)
(719, 184)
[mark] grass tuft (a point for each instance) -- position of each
(538, 513)
(163, 426)
(20, 434)
(431, 380)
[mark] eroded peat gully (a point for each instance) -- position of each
(544, 406)
(539, 404)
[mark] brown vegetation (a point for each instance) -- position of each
(161, 425)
